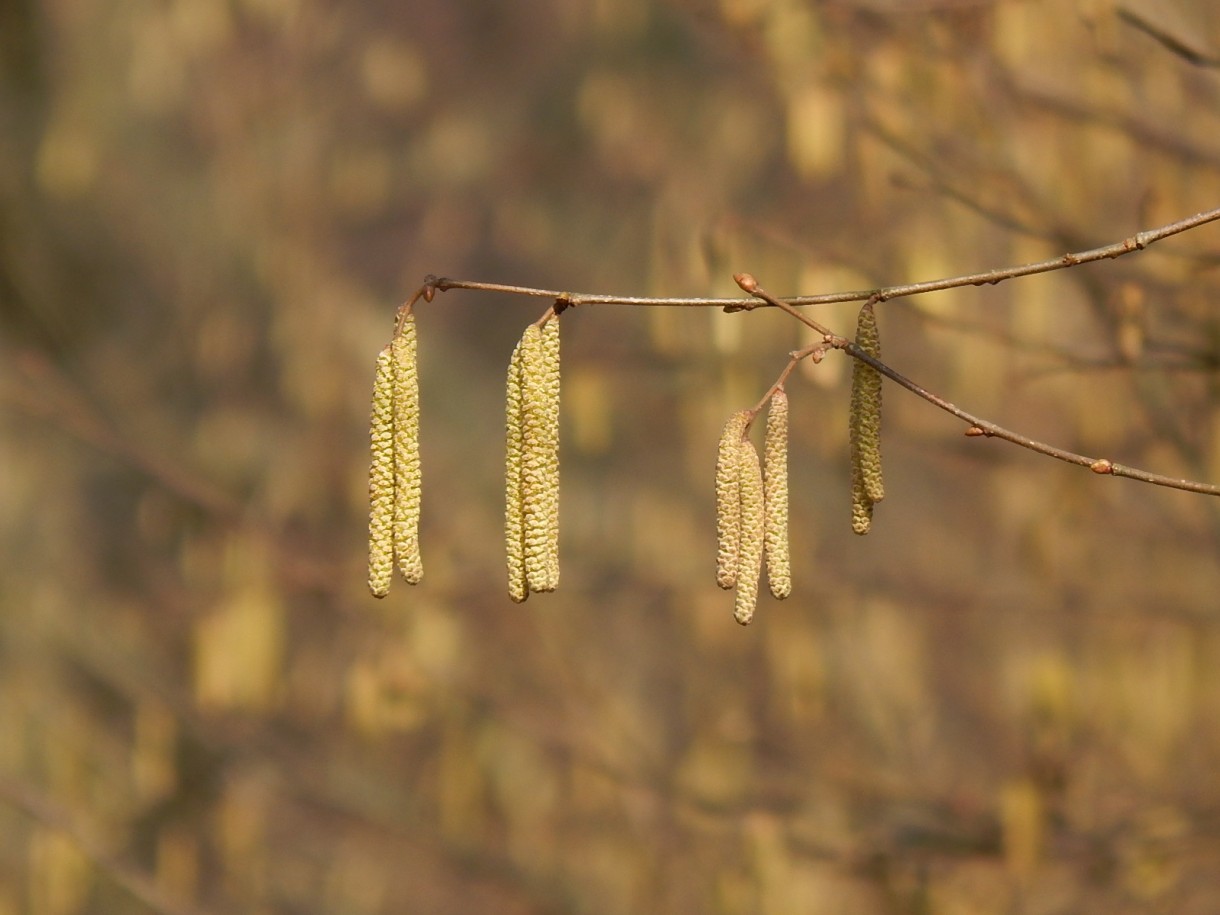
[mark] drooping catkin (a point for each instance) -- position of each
(551, 364)
(865, 409)
(540, 456)
(514, 510)
(728, 499)
(775, 496)
(407, 475)
(753, 533)
(381, 477)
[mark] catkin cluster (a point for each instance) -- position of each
(394, 471)
(752, 509)
(531, 517)
(864, 431)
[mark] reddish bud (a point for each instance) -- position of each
(746, 281)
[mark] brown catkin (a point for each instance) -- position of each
(728, 499)
(775, 496)
(407, 476)
(753, 533)
(865, 411)
(381, 477)
(514, 511)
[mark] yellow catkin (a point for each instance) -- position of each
(539, 459)
(753, 533)
(407, 475)
(775, 492)
(550, 430)
(728, 499)
(514, 513)
(381, 477)
(865, 409)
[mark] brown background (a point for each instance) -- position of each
(1005, 699)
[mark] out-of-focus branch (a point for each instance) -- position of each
(1173, 35)
(32, 802)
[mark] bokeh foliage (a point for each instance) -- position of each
(1005, 699)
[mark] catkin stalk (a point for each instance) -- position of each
(775, 497)
(753, 533)
(381, 477)
(728, 499)
(407, 476)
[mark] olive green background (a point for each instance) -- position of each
(1004, 699)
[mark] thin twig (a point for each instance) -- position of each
(979, 426)
(1137, 242)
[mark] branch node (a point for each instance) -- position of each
(975, 431)
(1101, 465)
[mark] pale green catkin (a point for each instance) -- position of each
(407, 472)
(728, 499)
(775, 493)
(514, 511)
(381, 477)
(865, 412)
(753, 533)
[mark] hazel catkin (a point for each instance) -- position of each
(532, 486)
(407, 475)
(753, 533)
(381, 477)
(728, 499)
(550, 430)
(775, 496)
(864, 430)
(514, 511)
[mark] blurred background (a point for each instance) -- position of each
(1005, 699)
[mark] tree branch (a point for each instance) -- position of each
(1137, 242)
(31, 801)
(978, 426)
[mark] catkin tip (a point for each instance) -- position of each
(861, 506)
